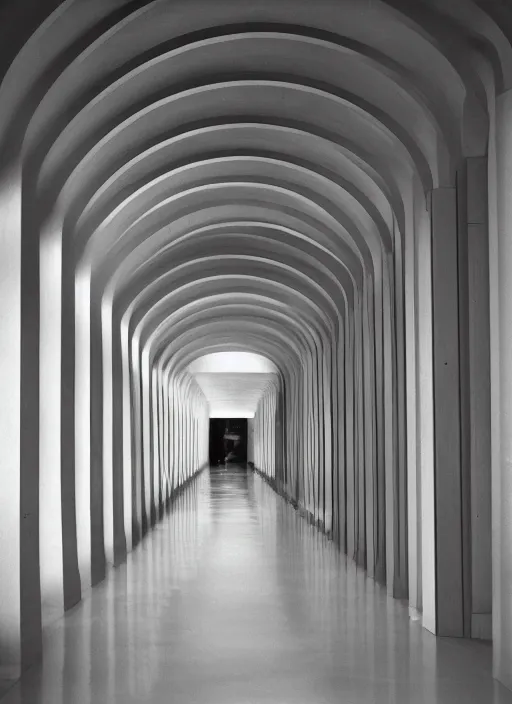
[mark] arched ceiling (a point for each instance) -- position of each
(235, 173)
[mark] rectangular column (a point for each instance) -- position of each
(410, 236)
(401, 575)
(425, 408)
(447, 431)
(10, 379)
(20, 598)
(479, 411)
(500, 188)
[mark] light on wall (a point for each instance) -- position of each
(230, 412)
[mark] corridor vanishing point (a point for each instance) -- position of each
(296, 214)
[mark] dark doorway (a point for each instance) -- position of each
(228, 440)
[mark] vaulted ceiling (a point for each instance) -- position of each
(228, 174)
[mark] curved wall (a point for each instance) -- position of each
(304, 181)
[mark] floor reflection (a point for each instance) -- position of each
(235, 599)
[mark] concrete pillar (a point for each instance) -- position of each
(339, 432)
(60, 581)
(368, 428)
(250, 439)
(326, 438)
(50, 491)
(475, 383)
(447, 431)
(131, 516)
(380, 503)
(82, 429)
(389, 429)
(396, 479)
(412, 395)
(157, 435)
(29, 597)
(146, 409)
(359, 438)
(502, 469)
(71, 572)
(109, 493)
(350, 444)
(101, 507)
(121, 463)
(401, 572)
(89, 449)
(425, 408)
(280, 425)
(113, 468)
(140, 469)
(20, 598)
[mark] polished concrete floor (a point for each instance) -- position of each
(234, 599)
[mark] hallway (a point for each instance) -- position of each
(274, 232)
(235, 599)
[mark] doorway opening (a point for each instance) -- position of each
(228, 440)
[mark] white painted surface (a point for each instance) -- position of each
(214, 243)
(233, 395)
(426, 420)
(233, 382)
(10, 292)
(82, 428)
(232, 363)
(502, 475)
(50, 518)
